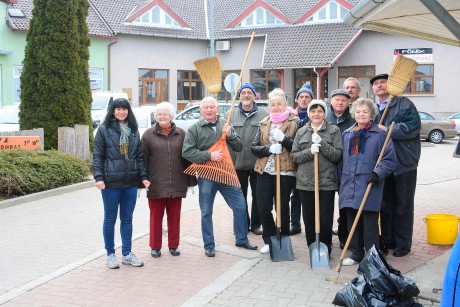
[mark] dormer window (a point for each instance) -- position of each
(156, 17)
(260, 18)
(331, 12)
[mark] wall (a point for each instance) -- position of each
(373, 48)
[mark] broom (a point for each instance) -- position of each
(222, 171)
(401, 73)
(210, 73)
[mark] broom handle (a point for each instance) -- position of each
(361, 206)
(316, 166)
(278, 191)
(386, 110)
(241, 77)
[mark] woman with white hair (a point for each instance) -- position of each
(274, 137)
(162, 148)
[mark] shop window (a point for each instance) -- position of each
(423, 80)
(189, 85)
(264, 81)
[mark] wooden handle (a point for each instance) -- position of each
(361, 206)
(386, 110)
(317, 227)
(278, 191)
(240, 78)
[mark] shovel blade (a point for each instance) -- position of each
(319, 256)
(280, 248)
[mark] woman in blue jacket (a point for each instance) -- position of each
(362, 144)
(118, 165)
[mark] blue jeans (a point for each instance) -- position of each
(235, 200)
(126, 198)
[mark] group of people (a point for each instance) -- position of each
(347, 138)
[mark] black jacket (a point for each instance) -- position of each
(110, 166)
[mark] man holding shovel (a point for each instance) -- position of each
(199, 138)
(397, 211)
(245, 120)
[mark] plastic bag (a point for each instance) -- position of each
(378, 284)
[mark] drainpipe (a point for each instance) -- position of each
(211, 26)
(318, 83)
(114, 41)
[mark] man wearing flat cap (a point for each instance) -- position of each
(245, 120)
(339, 115)
(397, 210)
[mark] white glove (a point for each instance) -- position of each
(314, 148)
(278, 135)
(275, 149)
(315, 138)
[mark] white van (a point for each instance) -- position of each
(101, 103)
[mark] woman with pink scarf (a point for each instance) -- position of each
(275, 137)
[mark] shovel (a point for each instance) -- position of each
(337, 279)
(319, 253)
(280, 246)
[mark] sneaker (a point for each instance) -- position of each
(265, 249)
(349, 261)
(112, 262)
(132, 260)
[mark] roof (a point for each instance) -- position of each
(410, 18)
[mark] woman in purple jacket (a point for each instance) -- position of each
(362, 144)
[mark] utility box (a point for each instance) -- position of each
(223, 45)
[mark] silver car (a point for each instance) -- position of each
(456, 118)
(435, 129)
(9, 118)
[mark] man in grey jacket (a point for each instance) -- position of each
(245, 119)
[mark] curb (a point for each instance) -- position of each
(44, 194)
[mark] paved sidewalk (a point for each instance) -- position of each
(52, 254)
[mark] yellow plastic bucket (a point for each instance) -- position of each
(441, 228)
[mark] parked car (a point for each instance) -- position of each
(435, 129)
(191, 115)
(9, 118)
(145, 117)
(100, 104)
(456, 118)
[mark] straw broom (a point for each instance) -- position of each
(401, 73)
(222, 171)
(210, 73)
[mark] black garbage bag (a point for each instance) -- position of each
(378, 284)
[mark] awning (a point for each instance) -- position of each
(434, 20)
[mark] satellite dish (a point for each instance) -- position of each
(230, 82)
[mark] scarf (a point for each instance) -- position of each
(358, 140)
(278, 118)
(302, 113)
(124, 140)
(166, 130)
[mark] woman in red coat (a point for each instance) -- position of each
(162, 148)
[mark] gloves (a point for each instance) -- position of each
(275, 149)
(314, 148)
(315, 138)
(278, 135)
(373, 178)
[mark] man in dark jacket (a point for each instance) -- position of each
(397, 211)
(245, 119)
(199, 138)
(339, 115)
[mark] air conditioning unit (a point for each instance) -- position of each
(223, 45)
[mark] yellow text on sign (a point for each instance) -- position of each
(19, 142)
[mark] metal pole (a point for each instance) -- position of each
(443, 16)
(211, 26)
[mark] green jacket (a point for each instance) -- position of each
(200, 137)
(246, 127)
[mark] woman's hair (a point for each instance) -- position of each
(277, 94)
(364, 102)
(166, 106)
(124, 104)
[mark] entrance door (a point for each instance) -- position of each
(153, 91)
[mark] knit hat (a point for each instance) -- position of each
(247, 85)
(305, 89)
(315, 102)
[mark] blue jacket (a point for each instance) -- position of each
(355, 170)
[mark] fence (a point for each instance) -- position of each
(74, 141)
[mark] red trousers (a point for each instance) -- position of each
(157, 210)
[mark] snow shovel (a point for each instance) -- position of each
(280, 246)
(319, 253)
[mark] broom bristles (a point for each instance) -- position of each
(401, 73)
(218, 171)
(211, 73)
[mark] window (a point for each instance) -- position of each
(265, 81)
(422, 81)
(363, 73)
(17, 70)
(425, 116)
(156, 17)
(189, 85)
(330, 12)
(153, 85)
(96, 79)
(260, 18)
